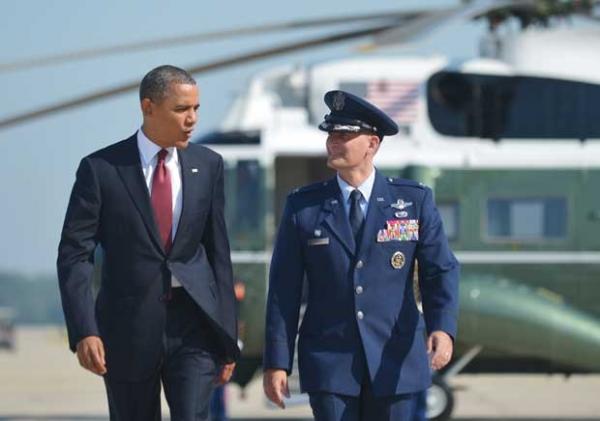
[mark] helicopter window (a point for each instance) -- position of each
(449, 214)
(229, 138)
(508, 107)
(245, 209)
(527, 219)
(290, 94)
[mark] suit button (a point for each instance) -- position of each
(360, 315)
(359, 264)
(359, 290)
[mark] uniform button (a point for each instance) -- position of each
(360, 315)
(359, 290)
(359, 264)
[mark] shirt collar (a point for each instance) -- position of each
(149, 149)
(365, 188)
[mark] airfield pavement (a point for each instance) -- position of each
(41, 380)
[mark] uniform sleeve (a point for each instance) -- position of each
(75, 263)
(285, 294)
(438, 271)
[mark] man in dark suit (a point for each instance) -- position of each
(356, 238)
(165, 310)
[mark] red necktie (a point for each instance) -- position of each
(162, 199)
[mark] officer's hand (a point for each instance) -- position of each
(90, 353)
(275, 384)
(439, 347)
(225, 373)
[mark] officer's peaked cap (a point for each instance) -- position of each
(351, 113)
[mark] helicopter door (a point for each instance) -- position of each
(591, 208)
(587, 233)
(296, 171)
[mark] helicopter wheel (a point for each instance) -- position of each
(440, 400)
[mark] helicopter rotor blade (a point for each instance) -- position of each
(426, 22)
(202, 68)
(203, 37)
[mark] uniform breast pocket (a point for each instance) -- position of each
(321, 255)
(396, 255)
(404, 246)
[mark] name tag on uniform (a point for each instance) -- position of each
(318, 241)
(399, 230)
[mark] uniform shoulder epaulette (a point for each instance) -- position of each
(397, 181)
(309, 188)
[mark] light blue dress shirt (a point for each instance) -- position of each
(365, 189)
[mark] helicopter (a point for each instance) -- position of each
(506, 141)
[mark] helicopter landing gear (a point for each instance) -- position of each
(440, 397)
(440, 400)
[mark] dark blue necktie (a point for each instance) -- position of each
(356, 214)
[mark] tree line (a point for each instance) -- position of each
(33, 299)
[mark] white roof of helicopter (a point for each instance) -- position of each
(570, 52)
(290, 130)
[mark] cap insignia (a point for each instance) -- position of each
(339, 100)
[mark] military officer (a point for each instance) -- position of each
(363, 344)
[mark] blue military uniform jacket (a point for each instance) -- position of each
(361, 317)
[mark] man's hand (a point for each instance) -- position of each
(439, 346)
(225, 373)
(275, 384)
(90, 353)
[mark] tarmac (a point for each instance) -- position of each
(41, 380)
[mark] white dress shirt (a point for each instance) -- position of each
(365, 189)
(149, 158)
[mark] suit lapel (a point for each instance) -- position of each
(187, 192)
(130, 170)
(378, 212)
(195, 178)
(334, 216)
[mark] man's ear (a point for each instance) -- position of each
(374, 143)
(146, 106)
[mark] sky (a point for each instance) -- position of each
(39, 158)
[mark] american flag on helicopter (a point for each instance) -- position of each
(397, 98)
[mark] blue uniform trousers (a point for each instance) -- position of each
(218, 410)
(365, 407)
(188, 370)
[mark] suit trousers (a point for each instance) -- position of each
(188, 370)
(365, 407)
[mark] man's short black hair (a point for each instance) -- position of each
(156, 83)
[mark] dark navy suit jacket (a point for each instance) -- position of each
(337, 346)
(110, 206)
